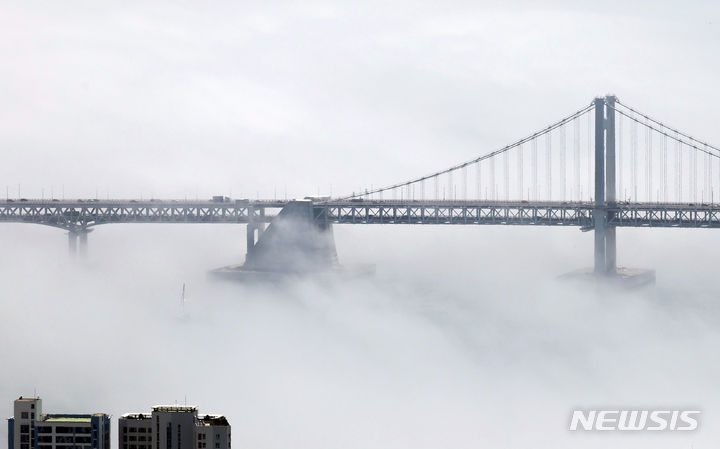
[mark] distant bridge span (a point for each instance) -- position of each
(605, 166)
(75, 216)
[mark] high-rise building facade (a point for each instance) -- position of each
(29, 428)
(173, 427)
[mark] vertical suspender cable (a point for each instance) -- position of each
(520, 171)
(679, 174)
(619, 155)
(563, 172)
(492, 178)
(589, 153)
(648, 164)
(576, 157)
(548, 164)
(464, 181)
(693, 175)
(633, 159)
(708, 174)
(533, 148)
(506, 175)
(664, 169)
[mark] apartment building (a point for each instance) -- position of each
(173, 427)
(30, 428)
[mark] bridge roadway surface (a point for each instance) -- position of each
(75, 215)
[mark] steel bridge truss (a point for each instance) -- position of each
(516, 213)
(75, 216)
(489, 213)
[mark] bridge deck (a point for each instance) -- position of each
(74, 214)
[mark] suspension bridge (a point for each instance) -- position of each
(606, 165)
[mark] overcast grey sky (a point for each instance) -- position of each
(173, 98)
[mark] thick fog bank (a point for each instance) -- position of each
(463, 338)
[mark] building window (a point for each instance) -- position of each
(24, 428)
(24, 415)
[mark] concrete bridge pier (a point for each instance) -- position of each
(77, 242)
(250, 233)
(261, 225)
(72, 243)
(83, 243)
(250, 236)
(294, 243)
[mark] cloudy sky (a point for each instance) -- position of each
(463, 338)
(177, 98)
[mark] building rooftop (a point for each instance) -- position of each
(212, 420)
(68, 419)
(136, 416)
(175, 408)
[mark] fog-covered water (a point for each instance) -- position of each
(462, 339)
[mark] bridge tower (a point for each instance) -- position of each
(605, 199)
(610, 186)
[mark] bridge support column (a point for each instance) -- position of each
(610, 186)
(294, 243)
(600, 211)
(72, 243)
(250, 236)
(83, 243)
(75, 237)
(261, 225)
(250, 231)
(610, 251)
